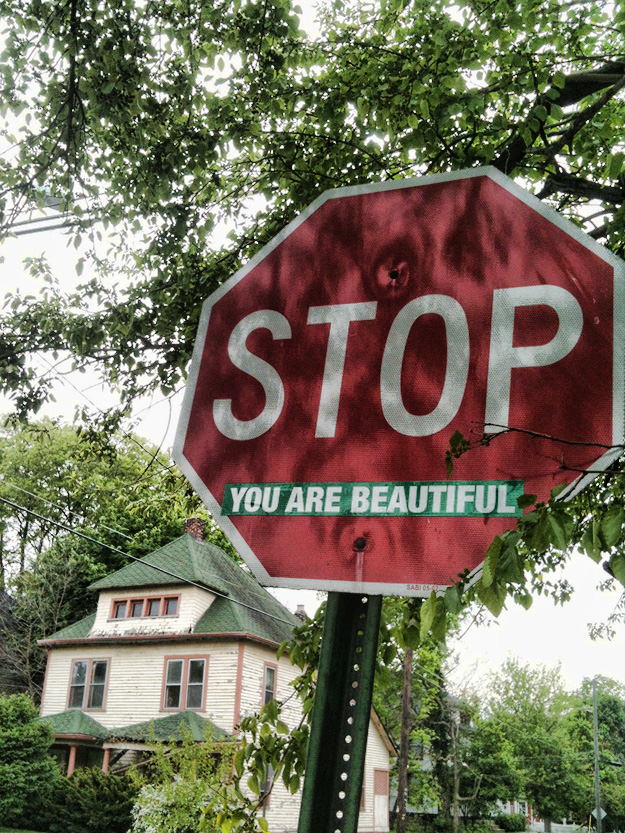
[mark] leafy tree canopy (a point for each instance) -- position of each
(72, 505)
(158, 124)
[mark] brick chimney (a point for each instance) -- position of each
(301, 613)
(195, 527)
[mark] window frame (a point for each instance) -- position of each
(186, 660)
(264, 699)
(89, 684)
(131, 601)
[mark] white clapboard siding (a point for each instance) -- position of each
(377, 757)
(135, 681)
(193, 603)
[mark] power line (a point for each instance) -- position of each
(63, 508)
(134, 558)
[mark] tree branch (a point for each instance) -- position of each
(577, 86)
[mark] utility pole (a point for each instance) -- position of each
(595, 732)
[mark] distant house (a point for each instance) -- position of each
(181, 638)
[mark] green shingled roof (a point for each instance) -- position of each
(180, 561)
(79, 630)
(75, 722)
(170, 728)
(246, 608)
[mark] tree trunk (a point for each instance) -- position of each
(404, 745)
(456, 773)
(547, 825)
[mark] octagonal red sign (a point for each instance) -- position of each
(330, 373)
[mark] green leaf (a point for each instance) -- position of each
(524, 599)
(428, 609)
(452, 600)
(510, 568)
(559, 79)
(439, 625)
(615, 164)
(590, 541)
(612, 525)
(490, 562)
(617, 563)
(493, 597)
(411, 637)
(526, 500)
(557, 490)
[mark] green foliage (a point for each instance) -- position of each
(186, 788)
(511, 822)
(116, 490)
(28, 773)
(529, 704)
(92, 801)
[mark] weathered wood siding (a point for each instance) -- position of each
(377, 758)
(282, 812)
(193, 603)
(135, 680)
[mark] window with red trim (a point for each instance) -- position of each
(185, 683)
(149, 606)
(87, 686)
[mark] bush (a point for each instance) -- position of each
(183, 787)
(511, 822)
(92, 801)
(28, 773)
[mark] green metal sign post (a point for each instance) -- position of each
(341, 712)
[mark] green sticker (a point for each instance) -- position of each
(459, 499)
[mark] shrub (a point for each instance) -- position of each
(92, 801)
(185, 784)
(511, 822)
(28, 773)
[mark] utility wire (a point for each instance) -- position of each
(154, 456)
(63, 508)
(134, 558)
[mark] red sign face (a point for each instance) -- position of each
(331, 372)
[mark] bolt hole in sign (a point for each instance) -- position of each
(330, 373)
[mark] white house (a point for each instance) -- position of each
(182, 636)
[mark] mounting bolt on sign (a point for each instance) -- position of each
(330, 373)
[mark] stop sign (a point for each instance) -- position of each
(330, 373)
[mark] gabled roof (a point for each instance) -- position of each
(75, 722)
(172, 727)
